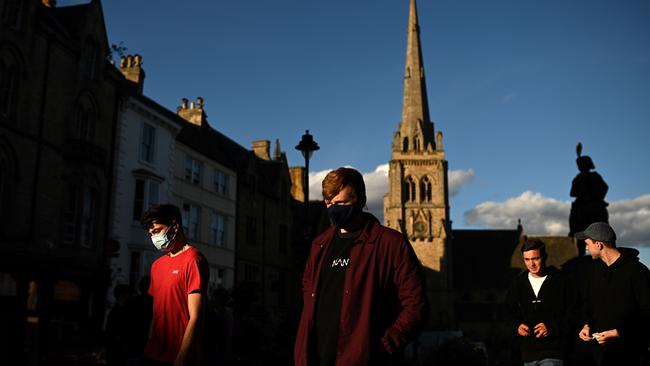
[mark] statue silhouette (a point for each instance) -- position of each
(589, 190)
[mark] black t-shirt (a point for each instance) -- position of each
(330, 293)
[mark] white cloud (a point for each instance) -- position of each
(377, 186)
(547, 216)
(458, 178)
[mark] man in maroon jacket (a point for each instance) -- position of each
(362, 286)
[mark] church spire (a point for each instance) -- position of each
(415, 129)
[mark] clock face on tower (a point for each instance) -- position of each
(419, 227)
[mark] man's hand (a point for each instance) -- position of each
(608, 336)
(585, 333)
(540, 330)
(523, 330)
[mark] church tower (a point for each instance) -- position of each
(417, 203)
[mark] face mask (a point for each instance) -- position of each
(161, 241)
(340, 214)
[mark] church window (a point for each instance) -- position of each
(405, 144)
(425, 189)
(409, 190)
(416, 144)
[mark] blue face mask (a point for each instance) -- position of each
(341, 214)
(161, 241)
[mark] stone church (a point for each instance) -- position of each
(417, 203)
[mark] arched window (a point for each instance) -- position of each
(8, 86)
(8, 176)
(409, 189)
(11, 12)
(425, 189)
(416, 144)
(405, 144)
(84, 119)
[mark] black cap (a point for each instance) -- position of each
(598, 231)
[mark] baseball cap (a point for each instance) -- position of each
(599, 231)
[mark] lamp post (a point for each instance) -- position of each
(307, 146)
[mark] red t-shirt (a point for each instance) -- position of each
(172, 280)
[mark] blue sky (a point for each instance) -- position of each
(513, 85)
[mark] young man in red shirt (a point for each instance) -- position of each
(179, 280)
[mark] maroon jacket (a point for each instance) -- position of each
(383, 302)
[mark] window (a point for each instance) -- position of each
(84, 123)
(11, 12)
(147, 140)
(251, 272)
(8, 89)
(146, 195)
(409, 190)
(251, 231)
(191, 221)
(425, 190)
(218, 229)
(217, 277)
(221, 182)
(193, 170)
(405, 144)
(79, 227)
(91, 57)
(136, 263)
(416, 144)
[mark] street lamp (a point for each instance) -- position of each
(307, 146)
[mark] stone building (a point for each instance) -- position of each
(205, 189)
(417, 203)
(144, 166)
(58, 96)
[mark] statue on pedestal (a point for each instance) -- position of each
(589, 190)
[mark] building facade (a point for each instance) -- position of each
(58, 96)
(144, 175)
(205, 189)
(417, 203)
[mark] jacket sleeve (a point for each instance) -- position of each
(407, 278)
(638, 324)
(513, 306)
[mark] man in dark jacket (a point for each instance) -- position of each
(362, 286)
(617, 309)
(540, 304)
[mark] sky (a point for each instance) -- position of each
(513, 85)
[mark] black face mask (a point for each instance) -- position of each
(340, 215)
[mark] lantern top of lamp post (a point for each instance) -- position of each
(307, 145)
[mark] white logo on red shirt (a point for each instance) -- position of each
(175, 272)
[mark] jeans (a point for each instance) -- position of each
(545, 362)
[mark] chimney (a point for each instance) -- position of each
(193, 113)
(277, 152)
(49, 3)
(297, 183)
(262, 148)
(131, 68)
